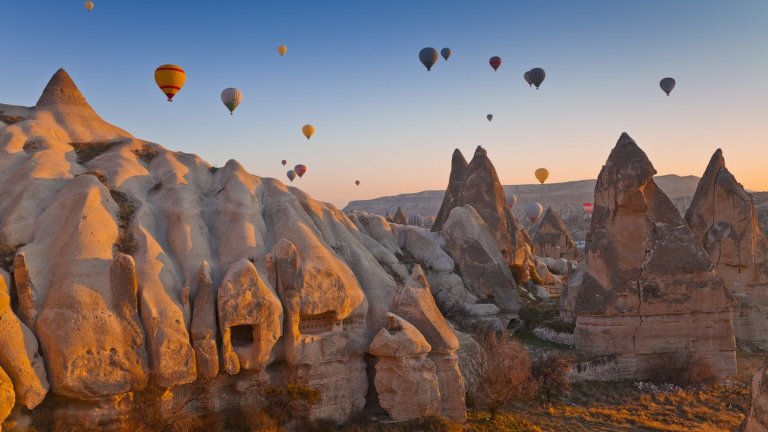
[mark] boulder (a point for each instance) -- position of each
(19, 355)
(406, 380)
(7, 397)
(723, 218)
(484, 270)
(650, 290)
(553, 239)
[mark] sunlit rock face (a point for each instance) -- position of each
(723, 218)
(552, 238)
(649, 290)
(137, 266)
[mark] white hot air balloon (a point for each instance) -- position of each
(532, 211)
(231, 98)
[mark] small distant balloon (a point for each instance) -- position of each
(357, 182)
(428, 57)
(495, 62)
(667, 84)
(527, 78)
(283, 162)
(537, 76)
(532, 211)
(170, 78)
(231, 98)
(513, 200)
(308, 131)
(300, 170)
(89, 5)
(282, 49)
(541, 175)
(291, 175)
(588, 207)
(445, 52)
(489, 117)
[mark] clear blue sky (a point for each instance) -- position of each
(352, 70)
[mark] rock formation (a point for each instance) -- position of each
(133, 262)
(405, 378)
(477, 185)
(400, 217)
(7, 397)
(552, 239)
(757, 417)
(649, 291)
(723, 218)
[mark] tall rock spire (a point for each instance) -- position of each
(455, 186)
(61, 91)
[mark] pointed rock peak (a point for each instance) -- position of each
(627, 153)
(61, 91)
(480, 151)
(717, 161)
(551, 217)
(458, 156)
(400, 217)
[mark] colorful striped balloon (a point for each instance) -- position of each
(170, 78)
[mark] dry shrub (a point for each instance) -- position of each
(684, 370)
(500, 372)
(551, 372)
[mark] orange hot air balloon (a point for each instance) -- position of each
(282, 49)
(170, 78)
(308, 131)
(89, 5)
(542, 174)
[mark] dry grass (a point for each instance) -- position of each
(88, 151)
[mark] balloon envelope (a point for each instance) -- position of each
(284, 162)
(489, 117)
(300, 170)
(588, 207)
(170, 78)
(667, 84)
(357, 182)
(513, 200)
(541, 175)
(231, 98)
(495, 62)
(308, 131)
(527, 78)
(445, 52)
(532, 211)
(537, 76)
(428, 57)
(89, 5)
(282, 49)
(291, 175)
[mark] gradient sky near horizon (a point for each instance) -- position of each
(352, 70)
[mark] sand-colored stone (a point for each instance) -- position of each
(406, 380)
(757, 417)
(247, 305)
(7, 397)
(19, 355)
(723, 218)
(400, 218)
(649, 290)
(553, 239)
(456, 180)
(204, 325)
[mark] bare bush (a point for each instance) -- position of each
(500, 372)
(684, 371)
(551, 371)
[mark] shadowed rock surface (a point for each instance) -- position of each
(552, 238)
(723, 218)
(649, 291)
(757, 417)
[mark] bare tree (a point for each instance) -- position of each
(500, 372)
(551, 371)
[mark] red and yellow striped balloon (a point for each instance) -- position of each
(170, 78)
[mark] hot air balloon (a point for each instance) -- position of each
(541, 175)
(428, 57)
(495, 62)
(445, 52)
(415, 220)
(527, 78)
(89, 5)
(588, 207)
(537, 76)
(357, 182)
(512, 200)
(300, 170)
(489, 117)
(291, 175)
(231, 98)
(282, 49)
(284, 162)
(170, 78)
(308, 131)
(667, 84)
(532, 211)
